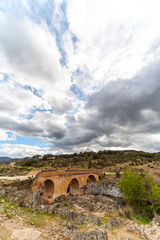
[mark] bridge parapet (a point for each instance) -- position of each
(47, 173)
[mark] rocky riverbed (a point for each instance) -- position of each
(76, 217)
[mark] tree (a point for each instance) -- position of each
(141, 192)
(47, 156)
(36, 156)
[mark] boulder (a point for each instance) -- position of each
(113, 223)
(152, 233)
(92, 235)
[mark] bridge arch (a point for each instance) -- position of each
(48, 190)
(73, 186)
(91, 179)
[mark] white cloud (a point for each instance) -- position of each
(13, 137)
(3, 135)
(30, 53)
(114, 39)
(20, 150)
(1, 77)
(16, 100)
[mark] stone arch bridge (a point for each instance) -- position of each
(58, 182)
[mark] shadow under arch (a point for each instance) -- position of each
(48, 190)
(91, 179)
(73, 186)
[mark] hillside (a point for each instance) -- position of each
(5, 159)
(110, 161)
(101, 159)
(8, 159)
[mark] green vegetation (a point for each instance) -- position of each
(25, 184)
(141, 192)
(104, 177)
(13, 211)
(6, 212)
(107, 159)
(101, 159)
(140, 219)
(103, 221)
(39, 219)
(130, 213)
(12, 171)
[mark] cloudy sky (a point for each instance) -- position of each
(79, 75)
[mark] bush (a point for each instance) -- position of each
(141, 192)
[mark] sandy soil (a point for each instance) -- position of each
(21, 178)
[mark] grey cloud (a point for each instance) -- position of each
(33, 128)
(53, 131)
(124, 111)
(76, 137)
(122, 102)
(28, 128)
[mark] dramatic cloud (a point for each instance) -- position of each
(42, 125)
(122, 114)
(79, 75)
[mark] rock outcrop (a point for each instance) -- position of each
(79, 217)
(106, 188)
(92, 235)
(94, 203)
(113, 223)
(61, 205)
(149, 232)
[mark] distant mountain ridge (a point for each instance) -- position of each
(8, 159)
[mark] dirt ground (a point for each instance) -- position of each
(27, 231)
(18, 223)
(8, 227)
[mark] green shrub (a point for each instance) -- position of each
(141, 192)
